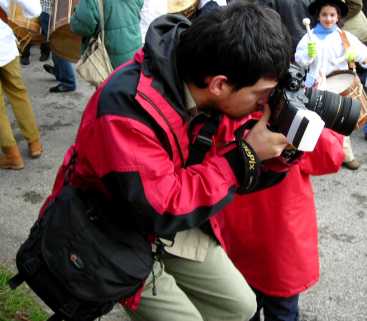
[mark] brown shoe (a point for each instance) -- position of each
(11, 158)
(35, 149)
(353, 164)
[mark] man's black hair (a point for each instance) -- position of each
(241, 41)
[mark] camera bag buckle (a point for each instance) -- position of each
(204, 140)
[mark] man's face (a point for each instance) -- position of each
(239, 103)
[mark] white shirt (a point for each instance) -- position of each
(330, 54)
(151, 9)
(8, 44)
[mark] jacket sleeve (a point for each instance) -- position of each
(85, 19)
(162, 197)
(327, 157)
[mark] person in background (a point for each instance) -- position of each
(271, 235)
(44, 47)
(325, 53)
(356, 23)
(12, 85)
(151, 10)
(155, 8)
(122, 26)
(292, 13)
(62, 69)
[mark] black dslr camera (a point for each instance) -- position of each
(301, 113)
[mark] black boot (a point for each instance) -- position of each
(45, 51)
(24, 59)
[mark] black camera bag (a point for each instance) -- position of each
(79, 261)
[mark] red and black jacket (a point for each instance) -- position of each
(133, 144)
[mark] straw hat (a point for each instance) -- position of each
(175, 6)
(316, 5)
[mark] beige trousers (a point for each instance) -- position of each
(213, 290)
(11, 84)
(348, 151)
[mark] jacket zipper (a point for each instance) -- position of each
(145, 97)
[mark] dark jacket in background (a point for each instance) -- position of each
(292, 13)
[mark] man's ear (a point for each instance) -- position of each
(218, 85)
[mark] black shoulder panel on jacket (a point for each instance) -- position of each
(129, 198)
(118, 98)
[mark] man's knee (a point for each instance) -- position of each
(249, 305)
(243, 307)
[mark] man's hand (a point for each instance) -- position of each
(312, 49)
(264, 142)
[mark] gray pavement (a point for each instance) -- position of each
(340, 295)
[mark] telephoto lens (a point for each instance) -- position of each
(339, 113)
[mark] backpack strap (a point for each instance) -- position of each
(55, 317)
(15, 281)
(30, 269)
(204, 140)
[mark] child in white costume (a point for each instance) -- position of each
(330, 54)
(325, 52)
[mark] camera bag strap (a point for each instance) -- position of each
(204, 140)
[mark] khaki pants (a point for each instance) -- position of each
(11, 83)
(348, 151)
(213, 290)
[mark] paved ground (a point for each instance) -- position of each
(341, 294)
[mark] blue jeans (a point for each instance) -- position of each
(64, 72)
(276, 308)
(44, 19)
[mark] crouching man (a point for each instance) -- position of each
(140, 143)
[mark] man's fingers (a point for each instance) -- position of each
(265, 116)
(279, 138)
